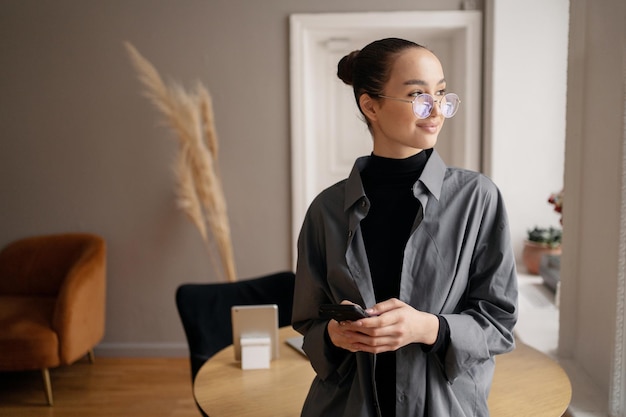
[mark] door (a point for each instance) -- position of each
(327, 130)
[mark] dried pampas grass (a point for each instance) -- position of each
(199, 193)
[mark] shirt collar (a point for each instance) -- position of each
(431, 180)
(354, 185)
(432, 176)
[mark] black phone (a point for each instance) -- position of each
(342, 312)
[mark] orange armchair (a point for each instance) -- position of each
(52, 301)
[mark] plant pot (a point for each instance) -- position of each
(532, 253)
(550, 270)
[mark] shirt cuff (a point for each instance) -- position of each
(443, 338)
(334, 352)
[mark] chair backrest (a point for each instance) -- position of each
(38, 265)
(204, 310)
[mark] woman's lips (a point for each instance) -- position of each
(429, 127)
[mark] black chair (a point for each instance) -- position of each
(204, 310)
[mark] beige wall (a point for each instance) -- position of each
(594, 191)
(82, 150)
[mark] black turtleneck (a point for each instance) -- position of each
(388, 185)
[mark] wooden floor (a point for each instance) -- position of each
(134, 387)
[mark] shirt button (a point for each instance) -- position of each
(349, 233)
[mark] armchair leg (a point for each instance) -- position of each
(91, 356)
(45, 373)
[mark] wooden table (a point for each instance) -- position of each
(526, 383)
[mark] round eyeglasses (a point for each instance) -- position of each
(423, 104)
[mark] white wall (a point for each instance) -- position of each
(525, 82)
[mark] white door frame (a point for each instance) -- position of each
(461, 29)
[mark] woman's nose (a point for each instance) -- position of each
(436, 110)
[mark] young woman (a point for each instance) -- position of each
(424, 248)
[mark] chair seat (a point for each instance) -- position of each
(27, 340)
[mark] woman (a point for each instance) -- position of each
(423, 247)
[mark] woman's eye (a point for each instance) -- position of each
(441, 92)
(415, 94)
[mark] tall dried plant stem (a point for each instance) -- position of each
(200, 193)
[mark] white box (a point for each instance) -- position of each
(255, 352)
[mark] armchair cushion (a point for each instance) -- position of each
(27, 340)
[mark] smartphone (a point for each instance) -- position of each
(342, 312)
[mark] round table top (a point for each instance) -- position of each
(526, 382)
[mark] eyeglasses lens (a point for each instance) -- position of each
(423, 105)
(449, 105)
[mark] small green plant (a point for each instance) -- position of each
(550, 236)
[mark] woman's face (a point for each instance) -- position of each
(397, 132)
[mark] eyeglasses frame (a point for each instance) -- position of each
(406, 100)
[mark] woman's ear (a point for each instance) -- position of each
(369, 106)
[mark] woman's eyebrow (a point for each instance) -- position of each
(423, 83)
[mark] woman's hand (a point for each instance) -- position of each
(393, 324)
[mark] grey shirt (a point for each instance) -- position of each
(458, 263)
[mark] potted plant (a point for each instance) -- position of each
(550, 264)
(540, 241)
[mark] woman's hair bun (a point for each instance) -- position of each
(345, 67)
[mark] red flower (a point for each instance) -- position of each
(556, 199)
